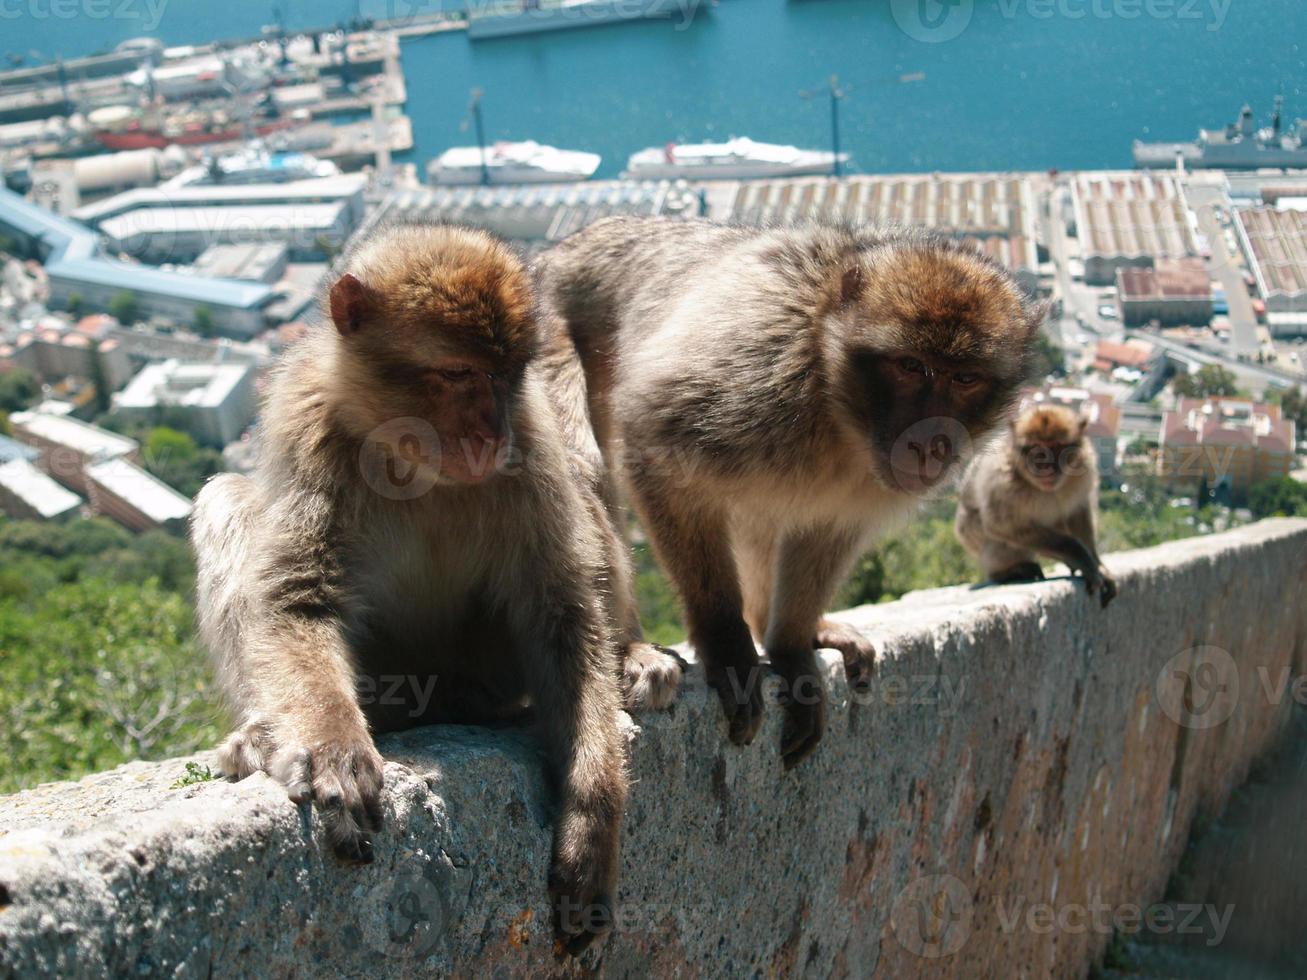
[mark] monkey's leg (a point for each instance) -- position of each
(811, 564)
(576, 695)
(690, 538)
(1022, 571)
(1002, 562)
(1070, 550)
(859, 653)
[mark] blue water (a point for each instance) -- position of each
(1019, 84)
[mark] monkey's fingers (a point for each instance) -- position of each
(740, 692)
(805, 723)
(651, 676)
(1108, 592)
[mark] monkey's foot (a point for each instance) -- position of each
(245, 751)
(858, 652)
(805, 720)
(343, 777)
(1026, 571)
(739, 687)
(583, 882)
(651, 676)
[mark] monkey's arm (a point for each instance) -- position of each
(292, 673)
(571, 669)
(1081, 525)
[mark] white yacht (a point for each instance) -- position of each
(512, 163)
(732, 160)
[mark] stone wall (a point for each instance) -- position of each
(1021, 748)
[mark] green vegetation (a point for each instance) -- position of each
(203, 322)
(75, 303)
(6, 429)
(1049, 359)
(124, 307)
(1210, 380)
(1285, 497)
(195, 773)
(19, 389)
(97, 661)
(175, 459)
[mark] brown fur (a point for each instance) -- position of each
(1036, 495)
(320, 586)
(748, 385)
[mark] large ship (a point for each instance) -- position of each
(511, 163)
(502, 18)
(732, 160)
(123, 128)
(1239, 146)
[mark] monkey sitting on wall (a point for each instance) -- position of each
(417, 546)
(774, 398)
(1035, 494)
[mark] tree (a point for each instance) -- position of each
(1285, 497)
(1048, 359)
(5, 428)
(18, 390)
(1211, 380)
(74, 303)
(1293, 406)
(203, 322)
(175, 459)
(124, 307)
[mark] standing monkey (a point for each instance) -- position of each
(773, 398)
(418, 545)
(1035, 494)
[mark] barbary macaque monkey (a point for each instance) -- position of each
(1035, 495)
(418, 545)
(772, 399)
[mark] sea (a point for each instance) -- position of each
(991, 84)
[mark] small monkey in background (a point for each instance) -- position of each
(1035, 494)
(418, 545)
(773, 398)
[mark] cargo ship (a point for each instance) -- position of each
(1239, 146)
(527, 162)
(733, 160)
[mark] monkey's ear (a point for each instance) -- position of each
(351, 303)
(1082, 423)
(851, 282)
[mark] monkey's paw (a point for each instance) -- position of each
(1105, 585)
(343, 776)
(805, 720)
(858, 652)
(651, 676)
(245, 751)
(581, 892)
(739, 688)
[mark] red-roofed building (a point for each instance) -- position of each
(1132, 354)
(1225, 441)
(1104, 418)
(1174, 292)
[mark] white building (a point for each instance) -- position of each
(67, 446)
(28, 494)
(121, 490)
(218, 399)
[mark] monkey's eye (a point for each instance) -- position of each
(454, 374)
(912, 366)
(966, 379)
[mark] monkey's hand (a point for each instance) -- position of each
(651, 676)
(341, 771)
(739, 687)
(583, 879)
(1106, 587)
(803, 700)
(858, 652)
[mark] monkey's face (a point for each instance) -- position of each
(922, 413)
(439, 337)
(1048, 447)
(934, 341)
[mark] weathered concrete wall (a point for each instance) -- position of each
(1021, 746)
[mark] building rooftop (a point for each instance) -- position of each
(314, 190)
(11, 449)
(1168, 278)
(1131, 215)
(1276, 242)
(137, 488)
(1131, 353)
(1228, 422)
(36, 490)
(174, 383)
(88, 440)
(254, 263)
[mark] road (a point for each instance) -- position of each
(1204, 199)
